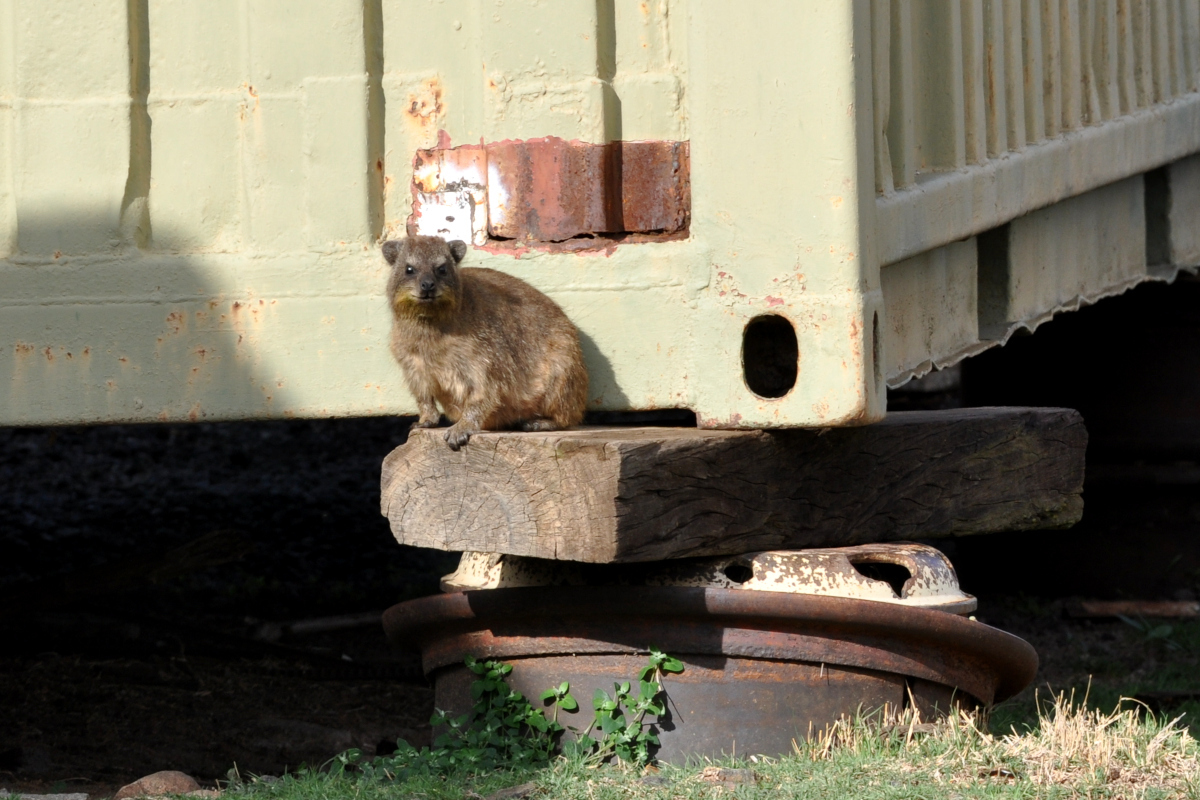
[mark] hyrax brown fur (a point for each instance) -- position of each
(489, 348)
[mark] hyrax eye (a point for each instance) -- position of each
(441, 270)
(409, 270)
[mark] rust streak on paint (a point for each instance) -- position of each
(176, 321)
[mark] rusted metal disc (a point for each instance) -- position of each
(916, 643)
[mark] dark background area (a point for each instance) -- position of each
(1131, 366)
(148, 574)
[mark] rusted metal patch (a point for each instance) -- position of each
(552, 193)
(450, 194)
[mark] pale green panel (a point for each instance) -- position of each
(1184, 211)
(196, 48)
(541, 66)
(678, 39)
(199, 105)
(273, 160)
(134, 277)
(303, 188)
(336, 161)
(784, 200)
(70, 126)
(432, 81)
(420, 34)
(292, 41)
(195, 178)
(627, 269)
(70, 176)
(196, 337)
(427, 40)
(68, 49)
(643, 37)
(782, 192)
(532, 107)
(342, 343)
(8, 208)
(535, 39)
(198, 360)
(8, 50)
(651, 107)
(931, 304)
(938, 84)
(648, 370)
(135, 362)
(1076, 249)
(648, 82)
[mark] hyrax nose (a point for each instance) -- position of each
(426, 285)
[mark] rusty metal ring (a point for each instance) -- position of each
(507, 623)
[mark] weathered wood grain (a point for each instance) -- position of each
(643, 494)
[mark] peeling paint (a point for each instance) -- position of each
(830, 572)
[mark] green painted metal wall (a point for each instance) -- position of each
(192, 195)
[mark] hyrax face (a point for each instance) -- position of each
(424, 273)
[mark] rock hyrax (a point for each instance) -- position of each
(490, 349)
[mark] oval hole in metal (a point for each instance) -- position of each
(738, 573)
(770, 355)
(893, 575)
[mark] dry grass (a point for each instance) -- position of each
(1125, 753)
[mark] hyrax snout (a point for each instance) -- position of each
(491, 350)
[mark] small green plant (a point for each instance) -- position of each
(504, 731)
(620, 717)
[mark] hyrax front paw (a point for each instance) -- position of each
(426, 422)
(457, 436)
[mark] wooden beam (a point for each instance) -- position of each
(644, 494)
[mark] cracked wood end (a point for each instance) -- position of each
(611, 494)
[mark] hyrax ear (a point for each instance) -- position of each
(458, 249)
(391, 250)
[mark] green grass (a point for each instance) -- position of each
(1071, 751)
